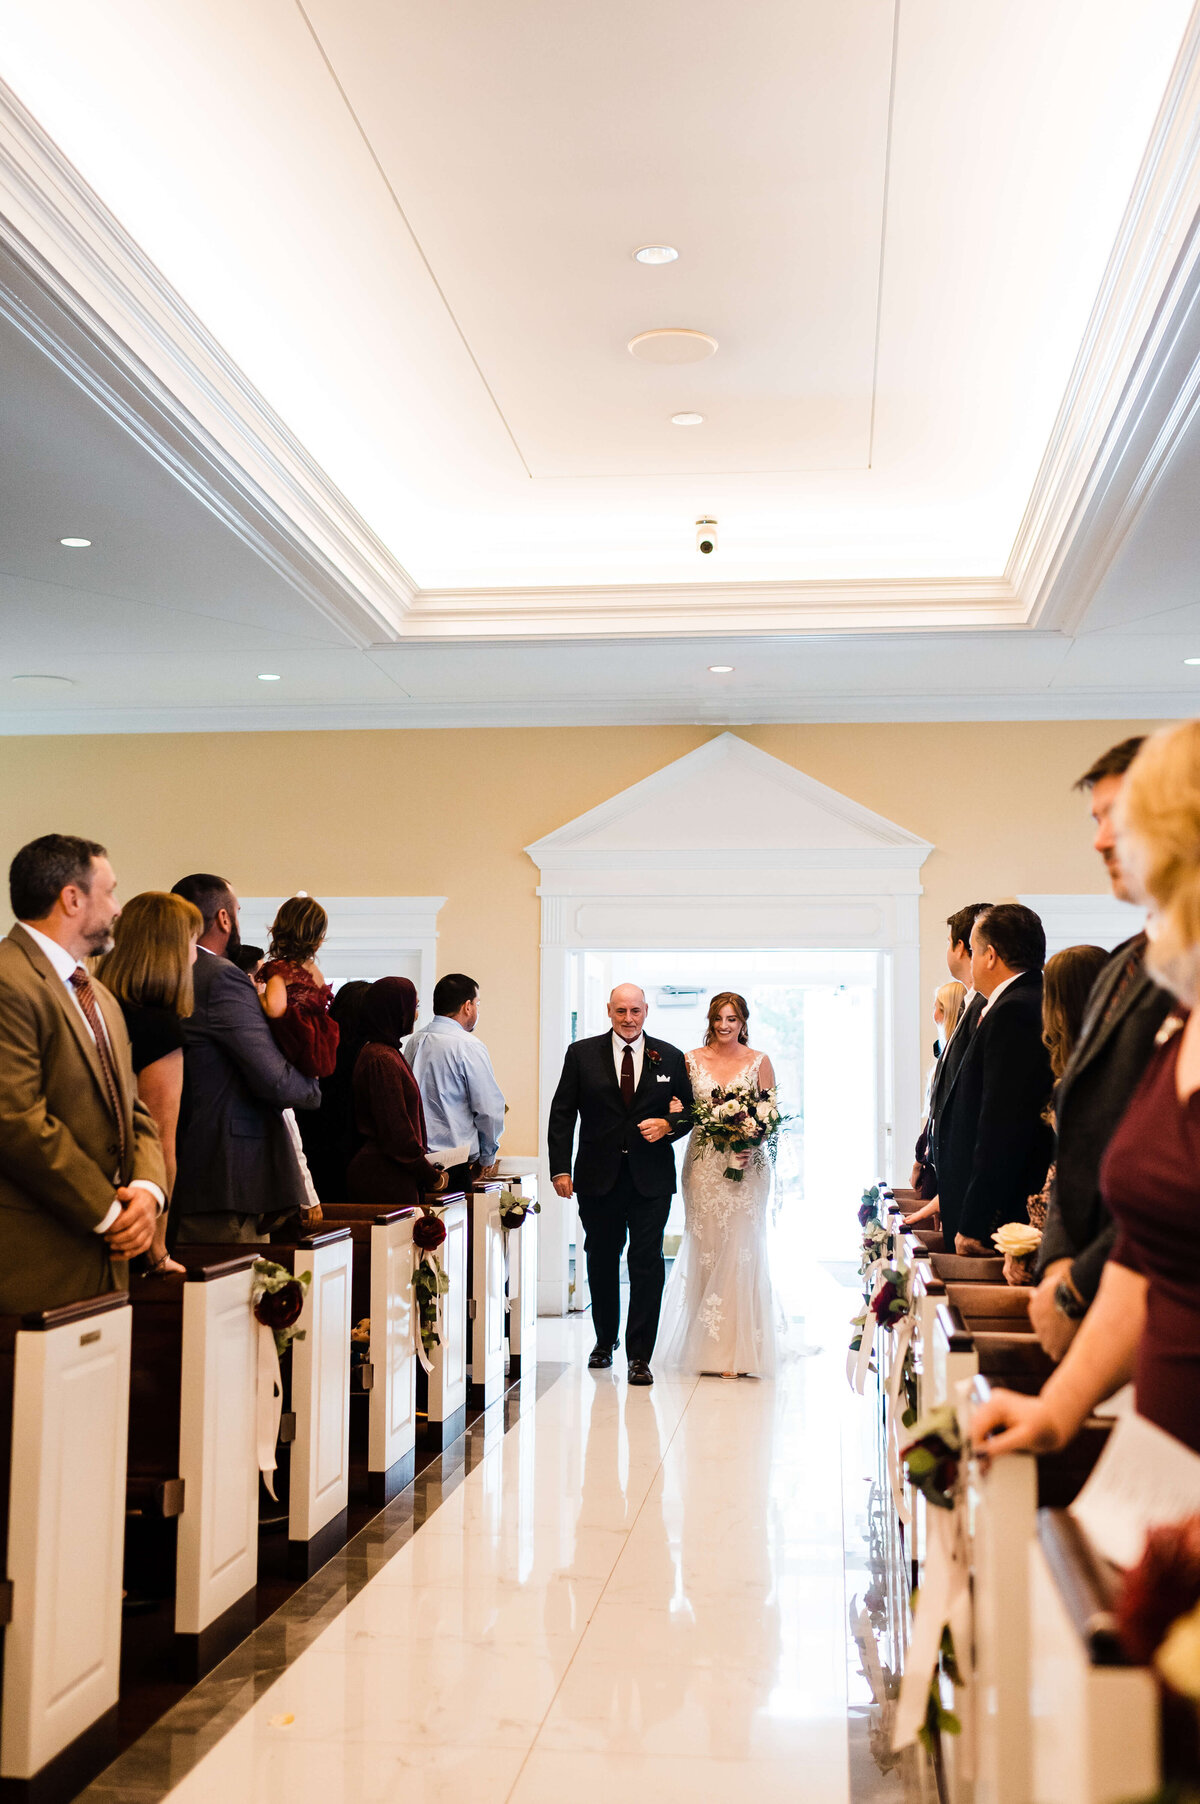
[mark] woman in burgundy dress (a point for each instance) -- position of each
(1145, 1322)
(390, 1169)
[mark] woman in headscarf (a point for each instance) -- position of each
(390, 1169)
(329, 1134)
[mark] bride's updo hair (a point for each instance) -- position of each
(1158, 843)
(728, 999)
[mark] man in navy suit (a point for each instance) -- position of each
(620, 1087)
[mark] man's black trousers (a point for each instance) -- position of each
(624, 1213)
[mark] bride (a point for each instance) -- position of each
(719, 1309)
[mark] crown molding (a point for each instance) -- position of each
(96, 304)
(1093, 481)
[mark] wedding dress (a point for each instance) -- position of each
(719, 1309)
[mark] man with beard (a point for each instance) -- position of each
(81, 1168)
(237, 1168)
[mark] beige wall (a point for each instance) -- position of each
(447, 813)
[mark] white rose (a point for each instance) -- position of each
(764, 1111)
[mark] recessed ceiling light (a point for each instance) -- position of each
(656, 253)
(268, 676)
(75, 544)
(673, 344)
(1192, 660)
(687, 419)
(39, 677)
(720, 669)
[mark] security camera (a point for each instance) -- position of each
(706, 536)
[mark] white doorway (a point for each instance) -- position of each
(817, 1015)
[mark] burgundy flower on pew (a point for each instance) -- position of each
(429, 1231)
(1164, 1585)
(280, 1308)
(882, 1301)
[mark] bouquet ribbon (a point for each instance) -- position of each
(900, 1344)
(268, 1404)
(860, 1362)
(945, 1601)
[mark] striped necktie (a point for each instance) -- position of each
(81, 983)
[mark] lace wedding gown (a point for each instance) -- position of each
(719, 1308)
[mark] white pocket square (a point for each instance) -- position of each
(663, 1080)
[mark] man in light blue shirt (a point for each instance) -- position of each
(463, 1102)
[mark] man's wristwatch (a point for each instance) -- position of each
(1068, 1303)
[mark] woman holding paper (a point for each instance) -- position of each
(1145, 1322)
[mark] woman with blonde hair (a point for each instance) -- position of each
(1145, 1322)
(949, 1000)
(149, 971)
(719, 1311)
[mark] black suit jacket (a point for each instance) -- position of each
(993, 1148)
(944, 1072)
(1105, 1069)
(232, 1149)
(588, 1091)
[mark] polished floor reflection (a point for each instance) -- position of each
(634, 1593)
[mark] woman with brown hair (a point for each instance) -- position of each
(149, 971)
(390, 1169)
(719, 1312)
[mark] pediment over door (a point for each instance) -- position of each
(729, 802)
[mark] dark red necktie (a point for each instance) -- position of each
(81, 983)
(627, 1078)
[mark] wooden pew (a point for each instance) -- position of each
(381, 1290)
(520, 1176)
(64, 1403)
(319, 1480)
(952, 1268)
(192, 1445)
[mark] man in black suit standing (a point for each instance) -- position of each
(620, 1086)
(237, 1167)
(993, 1147)
(1125, 1011)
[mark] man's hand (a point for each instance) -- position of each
(492, 1169)
(133, 1229)
(1016, 1271)
(562, 1183)
(1052, 1327)
(654, 1130)
(966, 1248)
(676, 1107)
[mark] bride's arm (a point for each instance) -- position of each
(766, 1074)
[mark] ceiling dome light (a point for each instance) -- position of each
(687, 419)
(720, 669)
(656, 253)
(75, 544)
(672, 344)
(39, 677)
(268, 676)
(1192, 660)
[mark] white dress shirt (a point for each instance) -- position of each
(637, 1048)
(464, 1105)
(66, 964)
(997, 993)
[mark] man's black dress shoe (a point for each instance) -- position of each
(639, 1372)
(599, 1357)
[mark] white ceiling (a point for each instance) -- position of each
(411, 229)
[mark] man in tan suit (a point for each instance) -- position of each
(81, 1169)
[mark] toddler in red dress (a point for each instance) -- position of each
(296, 999)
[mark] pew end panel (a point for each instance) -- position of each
(217, 1549)
(319, 1494)
(446, 1387)
(1094, 1722)
(65, 1543)
(486, 1295)
(520, 1176)
(392, 1410)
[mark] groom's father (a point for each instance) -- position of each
(620, 1086)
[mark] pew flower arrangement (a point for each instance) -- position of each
(429, 1279)
(514, 1209)
(1158, 1607)
(740, 1119)
(868, 1208)
(277, 1299)
(934, 1456)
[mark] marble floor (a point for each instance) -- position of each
(634, 1594)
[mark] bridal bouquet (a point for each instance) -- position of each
(741, 1119)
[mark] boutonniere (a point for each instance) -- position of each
(654, 1057)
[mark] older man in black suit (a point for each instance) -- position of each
(993, 1147)
(620, 1087)
(237, 1166)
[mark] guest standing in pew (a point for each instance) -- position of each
(949, 1001)
(329, 1135)
(992, 1146)
(464, 1105)
(954, 1049)
(1067, 982)
(390, 1169)
(238, 1173)
(1145, 1322)
(619, 1087)
(82, 1177)
(149, 971)
(1125, 1012)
